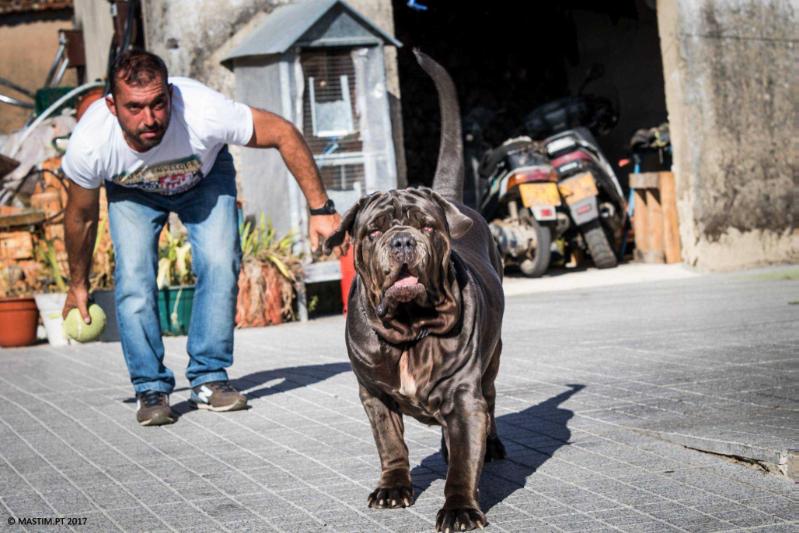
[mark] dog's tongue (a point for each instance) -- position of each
(404, 290)
(406, 281)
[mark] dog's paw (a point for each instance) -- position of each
(495, 450)
(460, 519)
(391, 497)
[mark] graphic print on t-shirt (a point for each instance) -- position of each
(169, 177)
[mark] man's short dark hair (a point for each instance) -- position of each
(137, 68)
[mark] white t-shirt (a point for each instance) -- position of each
(201, 123)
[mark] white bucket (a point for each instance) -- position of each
(50, 306)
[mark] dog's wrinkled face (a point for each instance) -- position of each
(402, 243)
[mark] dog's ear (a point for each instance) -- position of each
(459, 224)
(347, 224)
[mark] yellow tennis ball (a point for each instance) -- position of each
(75, 328)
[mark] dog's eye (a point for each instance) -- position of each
(375, 233)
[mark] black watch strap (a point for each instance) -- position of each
(328, 209)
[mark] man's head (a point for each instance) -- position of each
(140, 98)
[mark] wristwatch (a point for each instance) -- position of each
(328, 209)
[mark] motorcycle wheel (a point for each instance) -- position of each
(598, 246)
(535, 266)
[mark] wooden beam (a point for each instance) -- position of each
(671, 226)
(29, 217)
(640, 224)
(654, 253)
(644, 180)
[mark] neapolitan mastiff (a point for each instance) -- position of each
(424, 321)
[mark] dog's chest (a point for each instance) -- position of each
(407, 381)
(411, 384)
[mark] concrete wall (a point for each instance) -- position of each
(29, 43)
(381, 13)
(94, 18)
(194, 35)
(190, 35)
(730, 69)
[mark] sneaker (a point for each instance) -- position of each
(153, 409)
(218, 396)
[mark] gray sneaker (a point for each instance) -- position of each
(153, 409)
(218, 396)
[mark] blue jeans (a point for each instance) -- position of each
(208, 210)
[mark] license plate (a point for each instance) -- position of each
(539, 194)
(577, 188)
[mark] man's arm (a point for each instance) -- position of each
(80, 230)
(273, 131)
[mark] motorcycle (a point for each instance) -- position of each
(519, 200)
(594, 216)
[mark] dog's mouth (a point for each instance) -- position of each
(405, 288)
(404, 279)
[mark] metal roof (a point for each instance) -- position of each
(288, 24)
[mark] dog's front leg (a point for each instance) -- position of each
(394, 488)
(467, 425)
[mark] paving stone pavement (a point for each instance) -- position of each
(596, 388)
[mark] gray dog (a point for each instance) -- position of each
(424, 321)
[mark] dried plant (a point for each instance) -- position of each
(52, 279)
(16, 282)
(103, 259)
(174, 263)
(269, 274)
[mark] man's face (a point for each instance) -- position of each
(142, 112)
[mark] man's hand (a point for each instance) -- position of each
(320, 227)
(77, 297)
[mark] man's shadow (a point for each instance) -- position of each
(277, 381)
(531, 437)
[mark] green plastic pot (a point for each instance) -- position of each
(174, 309)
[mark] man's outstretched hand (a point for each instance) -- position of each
(320, 227)
(77, 297)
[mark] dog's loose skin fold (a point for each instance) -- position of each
(423, 330)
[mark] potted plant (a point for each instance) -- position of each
(19, 316)
(175, 284)
(268, 278)
(52, 292)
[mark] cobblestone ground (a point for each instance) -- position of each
(592, 382)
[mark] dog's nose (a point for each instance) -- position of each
(403, 244)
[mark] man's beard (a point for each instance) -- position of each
(146, 142)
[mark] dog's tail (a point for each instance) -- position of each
(448, 180)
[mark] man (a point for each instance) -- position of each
(160, 145)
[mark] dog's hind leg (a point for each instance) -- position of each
(394, 488)
(495, 450)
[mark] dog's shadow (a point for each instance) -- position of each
(277, 381)
(531, 437)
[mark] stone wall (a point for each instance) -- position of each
(730, 69)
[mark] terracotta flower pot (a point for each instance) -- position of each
(19, 318)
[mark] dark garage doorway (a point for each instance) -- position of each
(507, 58)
